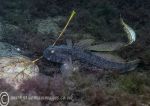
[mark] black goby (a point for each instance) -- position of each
(63, 53)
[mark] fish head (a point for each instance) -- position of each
(55, 54)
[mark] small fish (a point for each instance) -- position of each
(130, 32)
(63, 53)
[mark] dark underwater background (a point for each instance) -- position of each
(29, 26)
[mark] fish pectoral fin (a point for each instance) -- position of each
(69, 43)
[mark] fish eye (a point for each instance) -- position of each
(52, 51)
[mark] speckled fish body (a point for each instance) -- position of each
(62, 54)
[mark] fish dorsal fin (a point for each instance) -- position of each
(84, 44)
(109, 56)
(69, 43)
(107, 47)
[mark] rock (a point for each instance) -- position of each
(49, 26)
(7, 49)
(59, 19)
(15, 69)
(9, 30)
